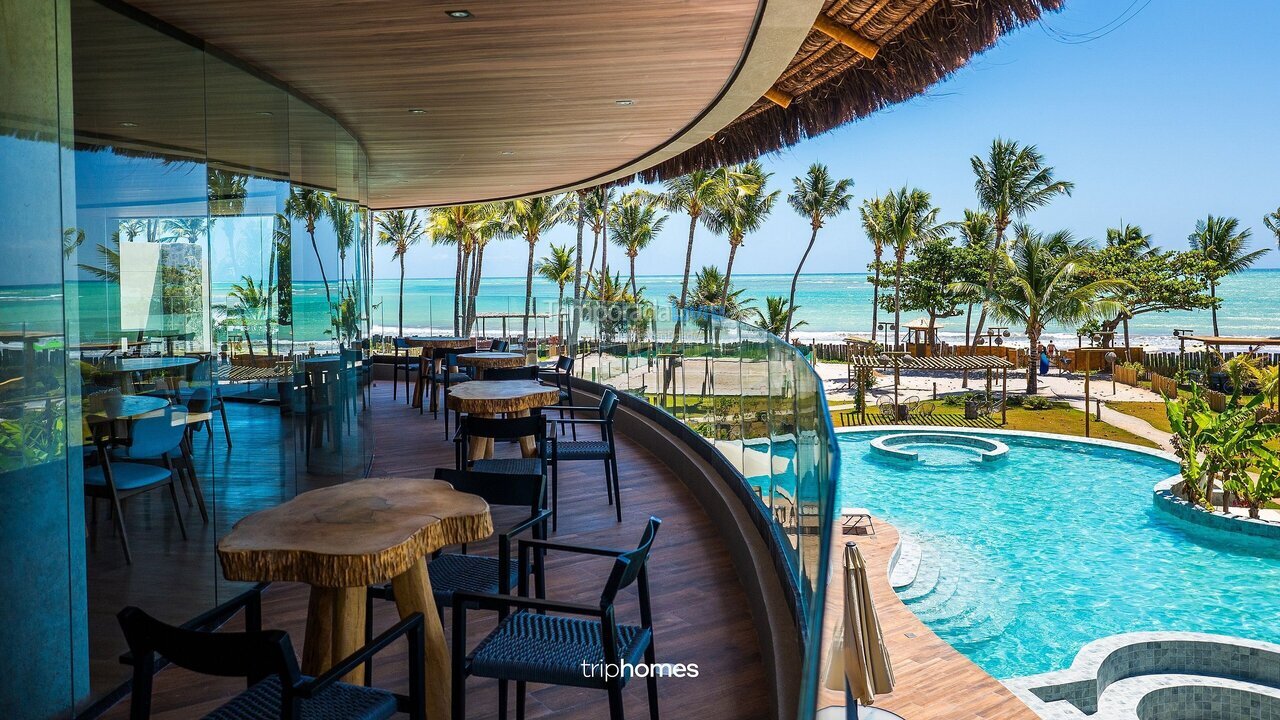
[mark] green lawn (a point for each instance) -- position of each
(1059, 419)
(1152, 412)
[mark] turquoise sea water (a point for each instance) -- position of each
(1028, 559)
(832, 305)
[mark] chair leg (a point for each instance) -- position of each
(368, 636)
(118, 516)
(555, 496)
(177, 511)
(608, 480)
(617, 487)
(651, 657)
(615, 701)
(502, 699)
(226, 429)
(195, 485)
(520, 693)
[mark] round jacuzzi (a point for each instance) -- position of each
(908, 446)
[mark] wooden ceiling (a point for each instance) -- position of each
(519, 99)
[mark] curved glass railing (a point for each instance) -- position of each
(752, 396)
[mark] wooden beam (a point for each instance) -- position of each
(845, 36)
(778, 97)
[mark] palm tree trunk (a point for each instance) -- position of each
(1213, 296)
(604, 236)
(576, 317)
(457, 288)
(634, 291)
(728, 277)
(400, 305)
(316, 249)
(477, 268)
(991, 279)
(968, 319)
(684, 281)
(1128, 354)
(271, 281)
(528, 287)
(1033, 361)
(595, 246)
(875, 301)
(897, 298)
(791, 303)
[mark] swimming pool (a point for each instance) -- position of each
(1027, 560)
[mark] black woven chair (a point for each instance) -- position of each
(503, 429)
(532, 645)
(562, 376)
(277, 690)
(453, 572)
(603, 449)
(499, 346)
(528, 372)
(403, 362)
(438, 382)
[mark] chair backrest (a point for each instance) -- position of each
(498, 488)
(509, 428)
(630, 564)
(251, 655)
(400, 343)
(499, 346)
(608, 405)
(159, 434)
(528, 372)
(564, 364)
(442, 353)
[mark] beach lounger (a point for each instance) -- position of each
(852, 518)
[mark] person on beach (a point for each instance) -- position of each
(1044, 360)
(1052, 350)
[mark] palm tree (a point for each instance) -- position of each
(580, 222)
(532, 218)
(742, 208)
(109, 270)
(595, 208)
(309, 206)
(487, 222)
(227, 192)
(249, 302)
(1010, 183)
(875, 223)
(909, 220)
(282, 259)
(691, 194)
(634, 222)
(711, 294)
(187, 229)
(400, 230)
(774, 317)
(1039, 287)
(1272, 223)
(558, 267)
(343, 216)
(978, 234)
(819, 198)
(1223, 243)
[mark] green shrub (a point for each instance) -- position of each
(1036, 402)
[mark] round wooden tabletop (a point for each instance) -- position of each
(489, 359)
(489, 397)
(99, 408)
(440, 342)
(352, 535)
(131, 365)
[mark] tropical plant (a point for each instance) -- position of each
(1240, 370)
(558, 268)
(1011, 182)
(248, 302)
(344, 217)
(1187, 415)
(109, 269)
(1039, 287)
(187, 229)
(978, 234)
(72, 239)
(691, 194)
(1271, 221)
(309, 205)
(936, 279)
(874, 223)
(774, 317)
(711, 294)
(1224, 245)
(741, 208)
(531, 219)
(227, 192)
(1256, 490)
(400, 230)
(910, 219)
(818, 197)
(634, 222)
(595, 209)
(469, 228)
(282, 257)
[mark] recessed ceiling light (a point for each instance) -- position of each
(507, 153)
(458, 14)
(417, 111)
(624, 103)
(128, 124)
(264, 113)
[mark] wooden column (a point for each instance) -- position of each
(1004, 406)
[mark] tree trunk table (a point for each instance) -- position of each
(342, 539)
(431, 343)
(482, 361)
(489, 398)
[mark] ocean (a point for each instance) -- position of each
(832, 305)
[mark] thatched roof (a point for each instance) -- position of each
(829, 84)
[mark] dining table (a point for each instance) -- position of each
(432, 342)
(342, 539)
(487, 359)
(490, 398)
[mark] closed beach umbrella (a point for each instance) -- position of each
(859, 657)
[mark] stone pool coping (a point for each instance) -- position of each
(1112, 676)
(1168, 500)
(888, 444)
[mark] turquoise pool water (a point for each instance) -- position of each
(1028, 559)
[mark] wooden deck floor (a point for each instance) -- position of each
(701, 614)
(933, 681)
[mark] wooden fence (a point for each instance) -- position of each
(1167, 363)
(1127, 375)
(1164, 385)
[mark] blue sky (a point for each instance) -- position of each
(1168, 117)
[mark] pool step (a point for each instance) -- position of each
(927, 572)
(907, 566)
(963, 613)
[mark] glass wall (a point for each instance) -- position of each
(187, 266)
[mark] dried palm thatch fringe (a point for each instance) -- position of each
(921, 42)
